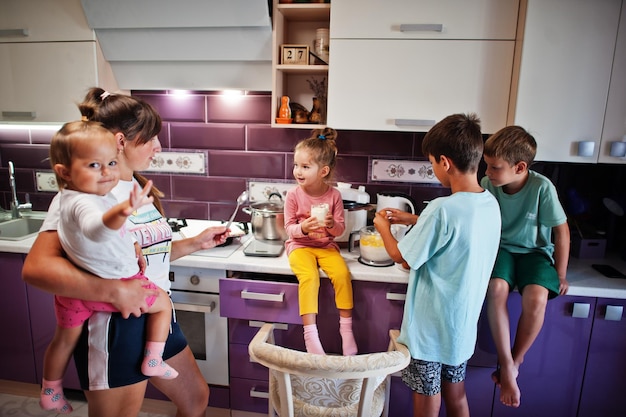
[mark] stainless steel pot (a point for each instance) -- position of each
(267, 219)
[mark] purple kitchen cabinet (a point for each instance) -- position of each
(16, 347)
(273, 302)
(378, 307)
(43, 325)
(604, 384)
(247, 304)
(551, 376)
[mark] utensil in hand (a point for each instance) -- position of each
(243, 197)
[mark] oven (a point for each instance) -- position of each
(195, 293)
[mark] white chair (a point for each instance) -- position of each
(305, 384)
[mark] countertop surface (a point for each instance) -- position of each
(583, 279)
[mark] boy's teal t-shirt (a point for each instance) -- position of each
(451, 251)
(529, 215)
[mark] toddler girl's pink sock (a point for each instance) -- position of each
(153, 364)
(312, 340)
(348, 344)
(52, 398)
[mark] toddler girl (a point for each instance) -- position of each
(311, 245)
(91, 230)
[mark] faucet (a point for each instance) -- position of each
(15, 204)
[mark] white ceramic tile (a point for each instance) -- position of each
(179, 162)
(260, 191)
(47, 181)
(403, 171)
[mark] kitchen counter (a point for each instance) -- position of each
(583, 279)
(238, 261)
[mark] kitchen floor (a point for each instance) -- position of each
(21, 399)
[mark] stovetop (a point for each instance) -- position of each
(190, 227)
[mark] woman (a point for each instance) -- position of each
(118, 388)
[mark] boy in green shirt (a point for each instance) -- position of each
(531, 213)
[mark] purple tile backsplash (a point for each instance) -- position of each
(242, 146)
(207, 136)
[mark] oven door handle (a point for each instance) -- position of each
(196, 307)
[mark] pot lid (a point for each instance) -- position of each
(353, 205)
(268, 207)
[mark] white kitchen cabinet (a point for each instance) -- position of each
(614, 129)
(46, 71)
(564, 73)
(413, 63)
(411, 85)
(115, 14)
(43, 21)
(439, 19)
(43, 82)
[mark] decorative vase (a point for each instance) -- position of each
(318, 112)
(284, 112)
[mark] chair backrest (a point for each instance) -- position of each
(326, 385)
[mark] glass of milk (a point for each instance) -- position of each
(320, 211)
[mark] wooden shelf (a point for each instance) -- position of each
(309, 126)
(305, 11)
(303, 69)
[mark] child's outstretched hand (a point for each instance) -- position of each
(381, 220)
(138, 197)
(396, 216)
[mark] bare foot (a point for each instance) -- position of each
(509, 390)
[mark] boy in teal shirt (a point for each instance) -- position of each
(527, 258)
(450, 251)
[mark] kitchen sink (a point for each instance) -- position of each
(18, 229)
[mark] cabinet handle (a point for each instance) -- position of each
(13, 33)
(581, 310)
(259, 394)
(614, 313)
(414, 122)
(196, 307)
(19, 114)
(396, 296)
(249, 295)
(259, 324)
(421, 27)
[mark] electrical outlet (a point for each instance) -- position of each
(180, 162)
(403, 171)
(260, 191)
(47, 181)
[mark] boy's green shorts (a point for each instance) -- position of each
(521, 269)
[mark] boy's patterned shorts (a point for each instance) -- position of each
(425, 377)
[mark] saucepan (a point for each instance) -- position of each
(268, 219)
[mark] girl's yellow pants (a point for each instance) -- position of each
(305, 264)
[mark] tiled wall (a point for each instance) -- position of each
(240, 145)
(235, 135)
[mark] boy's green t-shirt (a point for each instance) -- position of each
(529, 215)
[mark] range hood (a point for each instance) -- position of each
(185, 44)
